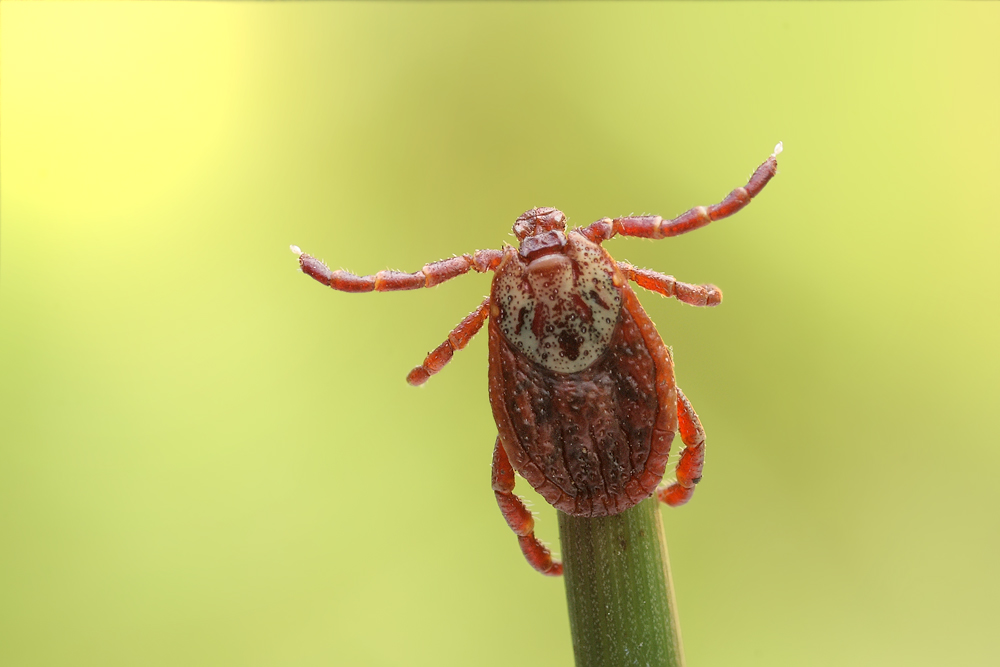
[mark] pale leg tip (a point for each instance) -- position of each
(777, 149)
(297, 250)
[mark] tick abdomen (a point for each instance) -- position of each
(584, 439)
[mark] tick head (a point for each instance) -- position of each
(541, 232)
(538, 221)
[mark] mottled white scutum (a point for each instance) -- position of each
(561, 310)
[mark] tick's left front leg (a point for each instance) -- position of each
(518, 517)
(692, 459)
(655, 227)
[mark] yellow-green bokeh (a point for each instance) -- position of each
(208, 459)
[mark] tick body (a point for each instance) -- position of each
(581, 385)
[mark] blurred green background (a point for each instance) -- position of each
(208, 459)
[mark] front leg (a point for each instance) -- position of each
(655, 227)
(388, 280)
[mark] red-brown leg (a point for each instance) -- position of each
(655, 227)
(389, 280)
(518, 517)
(694, 295)
(692, 460)
(457, 339)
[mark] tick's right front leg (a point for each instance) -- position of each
(518, 517)
(388, 280)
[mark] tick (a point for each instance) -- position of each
(581, 384)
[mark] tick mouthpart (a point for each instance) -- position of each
(538, 221)
(540, 245)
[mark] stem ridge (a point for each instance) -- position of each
(618, 589)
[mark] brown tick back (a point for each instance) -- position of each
(581, 385)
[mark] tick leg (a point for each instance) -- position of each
(457, 339)
(692, 459)
(693, 295)
(389, 280)
(655, 227)
(518, 517)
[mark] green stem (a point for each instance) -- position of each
(618, 589)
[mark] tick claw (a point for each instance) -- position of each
(297, 250)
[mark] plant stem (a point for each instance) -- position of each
(618, 589)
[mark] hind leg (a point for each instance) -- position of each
(518, 517)
(692, 459)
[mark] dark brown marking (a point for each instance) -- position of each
(538, 323)
(586, 312)
(569, 343)
(521, 314)
(600, 302)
